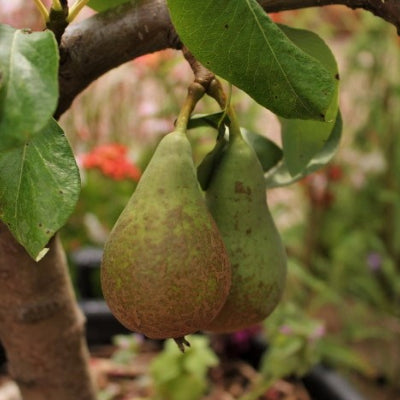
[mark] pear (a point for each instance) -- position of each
(236, 197)
(165, 270)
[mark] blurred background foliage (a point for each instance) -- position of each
(341, 224)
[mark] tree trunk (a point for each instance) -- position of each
(41, 327)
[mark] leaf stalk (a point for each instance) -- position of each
(42, 9)
(76, 8)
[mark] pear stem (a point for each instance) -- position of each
(234, 126)
(195, 93)
(181, 343)
(216, 91)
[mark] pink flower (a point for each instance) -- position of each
(286, 330)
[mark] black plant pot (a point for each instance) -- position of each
(101, 325)
(323, 383)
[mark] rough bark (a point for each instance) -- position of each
(41, 327)
(105, 41)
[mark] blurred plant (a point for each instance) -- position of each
(359, 234)
(294, 341)
(183, 376)
(345, 269)
(318, 186)
(298, 341)
(294, 346)
(127, 347)
(108, 393)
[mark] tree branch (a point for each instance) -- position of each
(100, 43)
(106, 40)
(389, 10)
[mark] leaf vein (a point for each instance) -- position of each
(259, 25)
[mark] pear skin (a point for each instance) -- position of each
(236, 198)
(165, 270)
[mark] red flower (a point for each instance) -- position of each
(112, 161)
(276, 17)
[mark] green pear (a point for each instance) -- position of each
(236, 197)
(165, 270)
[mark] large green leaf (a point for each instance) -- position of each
(102, 5)
(281, 175)
(303, 139)
(39, 187)
(238, 41)
(29, 83)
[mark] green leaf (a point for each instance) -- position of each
(319, 286)
(303, 139)
(184, 387)
(284, 357)
(102, 5)
(204, 120)
(281, 175)
(29, 83)
(238, 41)
(199, 357)
(267, 151)
(39, 187)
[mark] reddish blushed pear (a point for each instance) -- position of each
(165, 269)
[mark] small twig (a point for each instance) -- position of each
(58, 19)
(202, 75)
